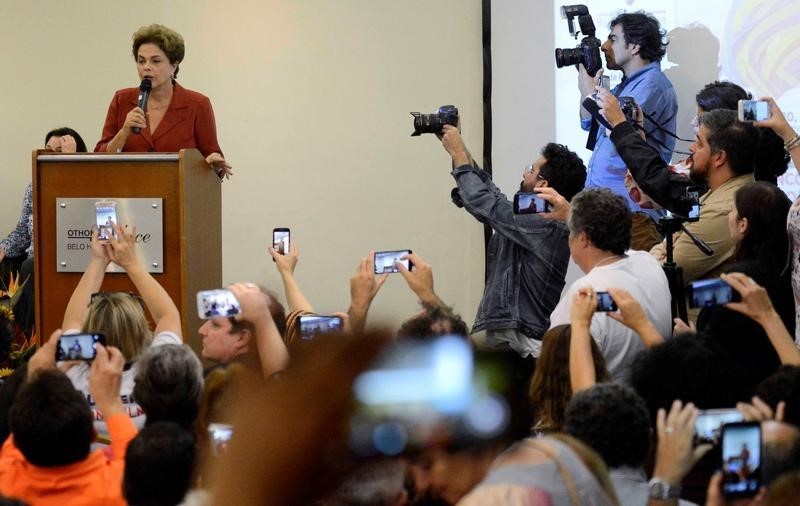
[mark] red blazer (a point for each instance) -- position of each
(188, 123)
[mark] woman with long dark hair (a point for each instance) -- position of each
(757, 223)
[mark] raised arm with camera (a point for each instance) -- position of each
(527, 244)
(582, 374)
(648, 168)
(778, 123)
(757, 305)
(286, 265)
(364, 286)
(420, 280)
(254, 308)
(632, 315)
(122, 251)
(90, 282)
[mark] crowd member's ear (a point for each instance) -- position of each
(245, 336)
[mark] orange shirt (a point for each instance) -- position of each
(94, 480)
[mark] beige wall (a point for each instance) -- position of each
(312, 99)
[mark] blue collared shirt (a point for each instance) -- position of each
(654, 94)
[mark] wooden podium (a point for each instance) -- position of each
(192, 224)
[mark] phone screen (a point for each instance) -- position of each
(741, 459)
(78, 346)
(385, 260)
(216, 303)
(754, 110)
(105, 218)
(605, 303)
(280, 240)
(311, 325)
(220, 435)
(530, 203)
(419, 392)
(710, 292)
(708, 427)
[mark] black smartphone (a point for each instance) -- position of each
(741, 459)
(530, 203)
(281, 240)
(311, 325)
(385, 260)
(708, 427)
(78, 346)
(216, 303)
(605, 304)
(709, 292)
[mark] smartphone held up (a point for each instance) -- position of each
(216, 303)
(105, 215)
(281, 238)
(530, 203)
(385, 261)
(754, 110)
(741, 459)
(78, 346)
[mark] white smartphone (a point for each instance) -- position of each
(216, 303)
(754, 110)
(105, 213)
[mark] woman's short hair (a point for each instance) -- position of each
(120, 316)
(167, 39)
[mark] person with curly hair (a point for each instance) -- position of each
(599, 234)
(527, 255)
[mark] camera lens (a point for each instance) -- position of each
(566, 57)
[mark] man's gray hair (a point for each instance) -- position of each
(168, 384)
(604, 217)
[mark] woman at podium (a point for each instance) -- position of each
(170, 117)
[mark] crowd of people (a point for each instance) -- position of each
(591, 403)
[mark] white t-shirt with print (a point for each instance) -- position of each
(79, 375)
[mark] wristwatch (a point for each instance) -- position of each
(660, 489)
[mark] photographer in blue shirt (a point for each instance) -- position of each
(635, 46)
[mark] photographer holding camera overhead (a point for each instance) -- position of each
(527, 255)
(635, 46)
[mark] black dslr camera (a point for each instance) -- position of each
(434, 123)
(588, 51)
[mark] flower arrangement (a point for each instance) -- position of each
(16, 344)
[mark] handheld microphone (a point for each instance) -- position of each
(144, 94)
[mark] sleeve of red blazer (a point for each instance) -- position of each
(205, 132)
(112, 125)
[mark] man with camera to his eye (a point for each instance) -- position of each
(635, 46)
(527, 254)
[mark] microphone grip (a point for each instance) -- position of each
(142, 104)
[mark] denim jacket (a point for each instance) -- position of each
(526, 258)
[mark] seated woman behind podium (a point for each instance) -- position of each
(173, 117)
(120, 316)
(16, 250)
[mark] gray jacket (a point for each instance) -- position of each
(526, 258)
